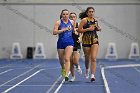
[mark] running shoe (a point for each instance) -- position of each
(92, 77)
(87, 74)
(79, 70)
(66, 78)
(72, 79)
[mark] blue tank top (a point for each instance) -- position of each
(67, 35)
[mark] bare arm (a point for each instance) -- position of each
(80, 35)
(82, 23)
(97, 27)
(55, 29)
(80, 38)
(80, 27)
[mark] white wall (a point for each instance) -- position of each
(29, 24)
(138, 24)
(69, 1)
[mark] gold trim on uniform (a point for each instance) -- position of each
(89, 38)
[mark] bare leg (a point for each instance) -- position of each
(87, 59)
(61, 57)
(68, 53)
(75, 61)
(72, 67)
(94, 51)
(76, 57)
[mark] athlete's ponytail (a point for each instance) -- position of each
(84, 13)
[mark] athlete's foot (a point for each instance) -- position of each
(87, 74)
(72, 79)
(79, 70)
(92, 77)
(66, 78)
(63, 72)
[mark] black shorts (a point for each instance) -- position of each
(89, 39)
(77, 49)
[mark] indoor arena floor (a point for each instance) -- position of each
(44, 76)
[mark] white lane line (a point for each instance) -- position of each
(7, 90)
(4, 66)
(137, 69)
(56, 91)
(40, 67)
(116, 66)
(19, 75)
(51, 85)
(105, 80)
(31, 85)
(54, 84)
(123, 66)
(5, 71)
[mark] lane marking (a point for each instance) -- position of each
(50, 89)
(7, 90)
(30, 85)
(6, 71)
(122, 66)
(19, 75)
(40, 67)
(4, 66)
(116, 66)
(51, 85)
(56, 91)
(105, 80)
(137, 69)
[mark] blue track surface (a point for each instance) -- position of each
(43, 76)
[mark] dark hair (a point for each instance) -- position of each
(73, 13)
(62, 12)
(84, 13)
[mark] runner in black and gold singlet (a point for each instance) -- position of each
(90, 37)
(89, 27)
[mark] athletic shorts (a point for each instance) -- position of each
(63, 45)
(77, 49)
(89, 39)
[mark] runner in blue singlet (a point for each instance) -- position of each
(65, 43)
